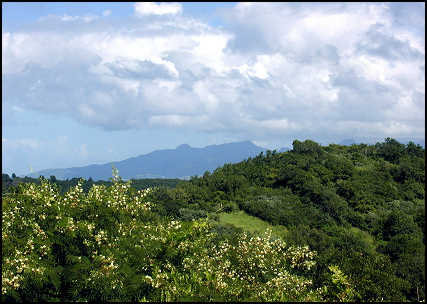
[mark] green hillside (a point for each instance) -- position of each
(361, 207)
(334, 223)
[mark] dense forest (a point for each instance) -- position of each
(346, 223)
(9, 184)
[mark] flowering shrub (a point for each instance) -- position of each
(108, 245)
(68, 243)
(256, 269)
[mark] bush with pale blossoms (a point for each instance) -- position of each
(108, 245)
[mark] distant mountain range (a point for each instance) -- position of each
(182, 162)
(347, 142)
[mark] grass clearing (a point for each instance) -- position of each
(251, 223)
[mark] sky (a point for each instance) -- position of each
(86, 83)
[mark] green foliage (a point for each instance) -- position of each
(398, 222)
(391, 150)
(108, 245)
(347, 203)
(8, 184)
(307, 147)
(359, 208)
(414, 150)
(340, 288)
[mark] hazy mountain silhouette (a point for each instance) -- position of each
(182, 162)
(347, 142)
(284, 149)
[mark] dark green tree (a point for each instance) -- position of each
(391, 150)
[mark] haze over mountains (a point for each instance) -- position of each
(182, 162)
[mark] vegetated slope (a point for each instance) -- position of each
(361, 207)
(182, 162)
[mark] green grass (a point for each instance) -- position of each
(250, 223)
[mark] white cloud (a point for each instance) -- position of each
(67, 18)
(22, 143)
(175, 120)
(152, 8)
(279, 69)
(106, 13)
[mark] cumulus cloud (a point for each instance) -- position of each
(152, 8)
(276, 70)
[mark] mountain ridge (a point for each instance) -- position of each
(182, 162)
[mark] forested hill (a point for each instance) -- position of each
(361, 207)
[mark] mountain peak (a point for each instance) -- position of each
(246, 142)
(183, 147)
